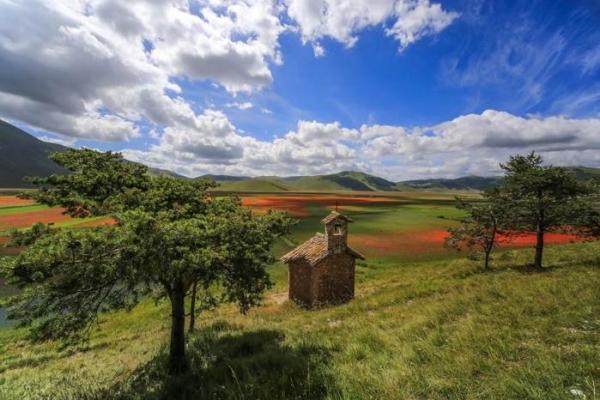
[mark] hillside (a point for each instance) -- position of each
(422, 330)
(586, 173)
(23, 155)
(473, 182)
(224, 178)
(262, 184)
(464, 183)
(343, 181)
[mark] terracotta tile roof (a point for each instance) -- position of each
(314, 250)
(335, 215)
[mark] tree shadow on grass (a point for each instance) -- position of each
(227, 363)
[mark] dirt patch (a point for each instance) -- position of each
(279, 298)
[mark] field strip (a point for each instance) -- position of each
(5, 211)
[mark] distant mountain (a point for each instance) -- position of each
(347, 180)
(224, 178)
(481, 183)
(464, 183)
(23, 155)
(164, 172)
(585, 173)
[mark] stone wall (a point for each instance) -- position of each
(337, 242)
(333, 280)
(299, 278)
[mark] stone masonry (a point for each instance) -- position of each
(322, 269)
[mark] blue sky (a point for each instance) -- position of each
(398, 88)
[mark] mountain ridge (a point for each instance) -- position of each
(22, 154)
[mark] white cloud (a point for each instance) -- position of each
(318, 50)
(416, 19)
(241, 106)
(107, 65)
(472, 144)
(342, 20)
(56, 140)
(480, 142)
(100, 69)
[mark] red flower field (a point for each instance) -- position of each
(25, 219)
(11, 201)
(432, 241)
(298, 205)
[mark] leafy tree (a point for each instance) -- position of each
(541, 199)
(169, 235)
(479, 229)
(29, 236)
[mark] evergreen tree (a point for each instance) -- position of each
(539, 198)
(479, 229)
(169, 234)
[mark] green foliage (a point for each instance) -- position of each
(419, 330)
(169, 234)
(98, 183)
(478, 229)
(543, 199)
(29, 236)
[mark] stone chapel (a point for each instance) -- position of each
(321, 270)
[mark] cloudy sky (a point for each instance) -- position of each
(398, 88)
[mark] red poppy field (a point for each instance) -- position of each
(20, 214)
(396, 227)
(303, 206)
(12, 201)
(400, 227)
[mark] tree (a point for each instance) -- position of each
(479, 229)
(541, 199)
(168, 235)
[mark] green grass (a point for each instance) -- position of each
(434, 330)
(19, 209)
(429, 326)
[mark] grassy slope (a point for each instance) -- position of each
(348, 180)
(24, 155)
(435, 329)
(254, 185)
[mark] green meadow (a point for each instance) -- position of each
(426, 323)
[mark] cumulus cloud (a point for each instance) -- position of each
(107, 65)
(100, 69)
(103, 69)
(318, 50)
(477, 143)
(218, 147)
(342, 20)
(472, 144)
(240, 106)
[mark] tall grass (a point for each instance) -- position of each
(419, 330)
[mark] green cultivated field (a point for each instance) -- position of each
(425, 324)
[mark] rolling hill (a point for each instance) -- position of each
(347, 180)
(464, 183)
(23, 155)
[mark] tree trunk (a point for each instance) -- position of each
(539, 249)
(193, 308)
(177, 359)
(487, 259)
